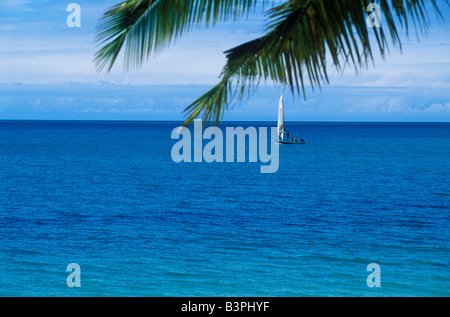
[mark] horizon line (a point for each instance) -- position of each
(222, 122)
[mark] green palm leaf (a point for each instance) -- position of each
(301, 36)
(148, 26)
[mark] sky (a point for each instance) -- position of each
(47, 72)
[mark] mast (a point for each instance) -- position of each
(281, 129)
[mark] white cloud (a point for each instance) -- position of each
(13, 3)
(423, 75)
(438, 108)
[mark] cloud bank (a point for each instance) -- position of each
(47, 73)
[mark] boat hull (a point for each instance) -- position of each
(290, 142)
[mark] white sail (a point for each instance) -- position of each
(281, 129)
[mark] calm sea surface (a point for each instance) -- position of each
(108, 196)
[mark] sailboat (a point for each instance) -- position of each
(282, 130)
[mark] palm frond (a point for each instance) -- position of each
(300, 35)
(147, 26)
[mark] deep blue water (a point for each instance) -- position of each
(108, 196)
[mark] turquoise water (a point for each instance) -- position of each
(108, 196)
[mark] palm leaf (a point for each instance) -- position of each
(147, 26)
(302, 35)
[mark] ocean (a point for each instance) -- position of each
(109, 197)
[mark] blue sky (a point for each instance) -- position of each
(46, 72)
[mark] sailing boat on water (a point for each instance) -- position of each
(281, 129)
